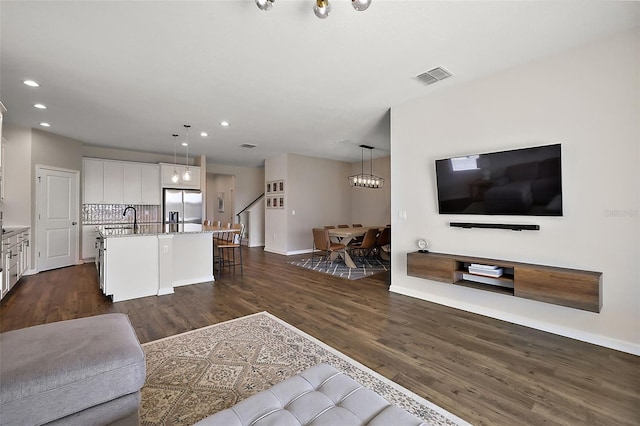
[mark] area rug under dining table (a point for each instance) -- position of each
(365, 267)
(200, 372)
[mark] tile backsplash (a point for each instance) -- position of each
(94, 214)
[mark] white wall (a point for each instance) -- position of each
(220, 183)
(372, 206)
(588, 100)
(249, 182)
(275, 220)
(319, 193)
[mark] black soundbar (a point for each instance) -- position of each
(513, 227)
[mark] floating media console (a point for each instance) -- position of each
(513, 227)
(559, 286)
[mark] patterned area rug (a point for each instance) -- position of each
(198, 373)
(365, 267)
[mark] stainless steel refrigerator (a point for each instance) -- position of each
(182, 208)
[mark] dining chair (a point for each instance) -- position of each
(321, 242)
(329, 227)
(206, 223)
(367, 244)
(359, 238)
(383, 242)
(343, 226)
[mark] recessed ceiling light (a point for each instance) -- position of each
(40, 106)
(31, 83)
(43, 124)
(185, 144)
(204, 134)
(224, 123)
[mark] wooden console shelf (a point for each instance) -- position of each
(560, 286)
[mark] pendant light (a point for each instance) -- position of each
(186, 176)
(366, 180)
(175, 178)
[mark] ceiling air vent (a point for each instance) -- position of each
(248, 145)
(433, 76)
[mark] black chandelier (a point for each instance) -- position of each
(366, 180)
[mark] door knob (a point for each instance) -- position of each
(74, 223)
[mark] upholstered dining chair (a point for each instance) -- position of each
(367, 244)
(383, 243)
(321, 242)
(357, 239)
(343, 226)
(329, 227)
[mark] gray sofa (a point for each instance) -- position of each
(86, 371)
(320, 395)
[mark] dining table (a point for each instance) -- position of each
(345, 236)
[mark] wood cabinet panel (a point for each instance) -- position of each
(425, 265)
(560, 286)
(567, 287)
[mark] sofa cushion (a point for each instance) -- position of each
(51, 371)
(320, 395)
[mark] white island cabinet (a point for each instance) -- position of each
(152, 261)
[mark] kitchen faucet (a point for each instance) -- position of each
(135, 216)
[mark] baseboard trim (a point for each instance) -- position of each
(269, 250)
(295, 252)
(165, 291)
(204, 279)
(596, 339)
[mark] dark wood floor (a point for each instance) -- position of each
(483, 370)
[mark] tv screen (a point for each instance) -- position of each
(523, 182)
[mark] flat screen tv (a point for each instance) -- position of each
(521, 182)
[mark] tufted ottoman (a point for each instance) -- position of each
(320, 395)
(85, 371)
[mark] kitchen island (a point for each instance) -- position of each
(152, 259)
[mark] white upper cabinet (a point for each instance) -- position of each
(120, 182)
(113, 182)
(132, 180)
(167, 173)
(93, 181)
(150, 184)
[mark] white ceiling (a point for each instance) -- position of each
(128, 74)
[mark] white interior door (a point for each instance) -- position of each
(57, 220)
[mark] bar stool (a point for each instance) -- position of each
(227, 248)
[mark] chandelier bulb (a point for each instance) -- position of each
(265, 4)
(322, 8)
(360, 5)
(175, 178)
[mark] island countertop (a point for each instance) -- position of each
(149, 229)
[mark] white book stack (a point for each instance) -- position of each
(486, 274)
(486, 270)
